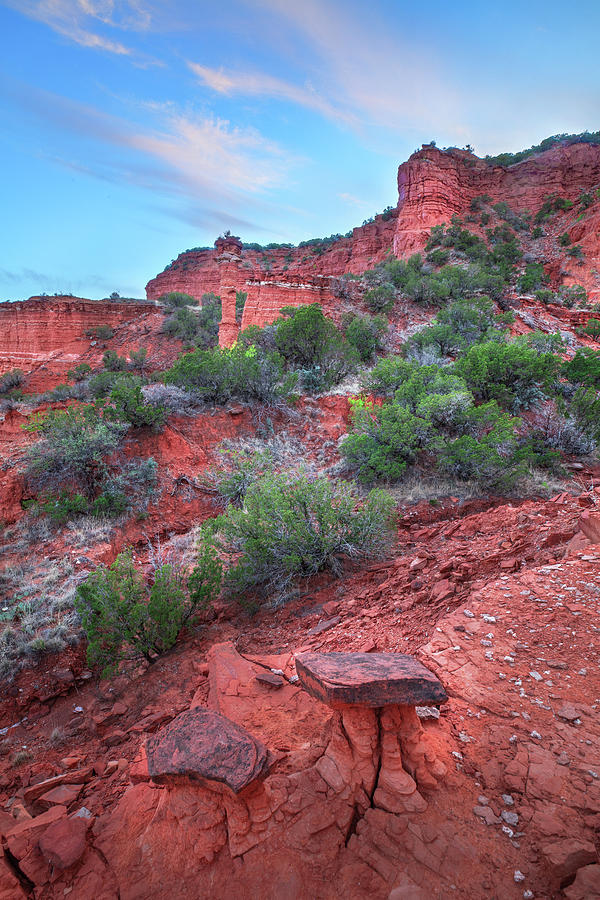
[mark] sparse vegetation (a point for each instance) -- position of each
(124, 616)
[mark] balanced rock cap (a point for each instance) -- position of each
(368, 679)
(202, 745)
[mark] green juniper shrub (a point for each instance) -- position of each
(292, 526)
(584, 368)
(585, 200)
(102, 383)
(592, 329)
(137, 359)
(74, 444)
(81, 371)
(564, 240)
(552, 205)
(198, 327)
(10, 380)
(310, 342)
(100, 333)
(585, 406)
(574, 295)
(70, 462)
(487, 451)
(240, 302)
(238, 469)
(381, 298)
(387, 375)
(532, 278)
(177, 299)
(124, 617)
(513, 373)
(130, 406)
(545, 342)
(438, 257)
(242, 372)
(576, 252)
(545, 296)
(384, 440)
(365, 333)
(112, 362)
(537, 232)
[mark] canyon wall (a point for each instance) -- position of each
(434, 185)
(32, 332)
(279, 277)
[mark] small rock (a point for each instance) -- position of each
(469, 614)
(511, 818)
(563, 759)
(537, 735)
(482, 800)
(427, 712)
(487, 814)
(536, 676)
(518, 876)
(270, 679)
(507, 800)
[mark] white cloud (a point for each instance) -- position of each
(257, 84)
(369, 70)
(78, 20)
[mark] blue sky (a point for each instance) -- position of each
(134, 130)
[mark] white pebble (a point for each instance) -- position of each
(519, 876)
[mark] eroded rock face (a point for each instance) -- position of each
(201, 745)
(434, 185)
(370, 679)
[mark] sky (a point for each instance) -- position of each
(135, 129)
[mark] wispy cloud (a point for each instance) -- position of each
(197, 163)
(367, 73)
(351, 200)
(79, 20)
(258, 84)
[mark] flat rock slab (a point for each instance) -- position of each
(202, 745)
(368, 679)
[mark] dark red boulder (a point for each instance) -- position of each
(202, 745)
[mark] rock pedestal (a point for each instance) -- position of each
(376, 694)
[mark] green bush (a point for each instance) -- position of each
(584, 368)
(11, 380)
(292, 526)
(574, 295)
(123, 617)
(100, 332)
(80, 372)
(177, 299)
(137, 359)
(384, 440)
(532, 278)
(199, 327)
(387, 376)
(130, 406)
(564, 240)
(113, 362)
(74, 445)
(592, 329)
(310, 342)
(242, 372)
(512, 373)
(381, 298)
(365, 334)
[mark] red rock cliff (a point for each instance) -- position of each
(282, 276)
(434, 185)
